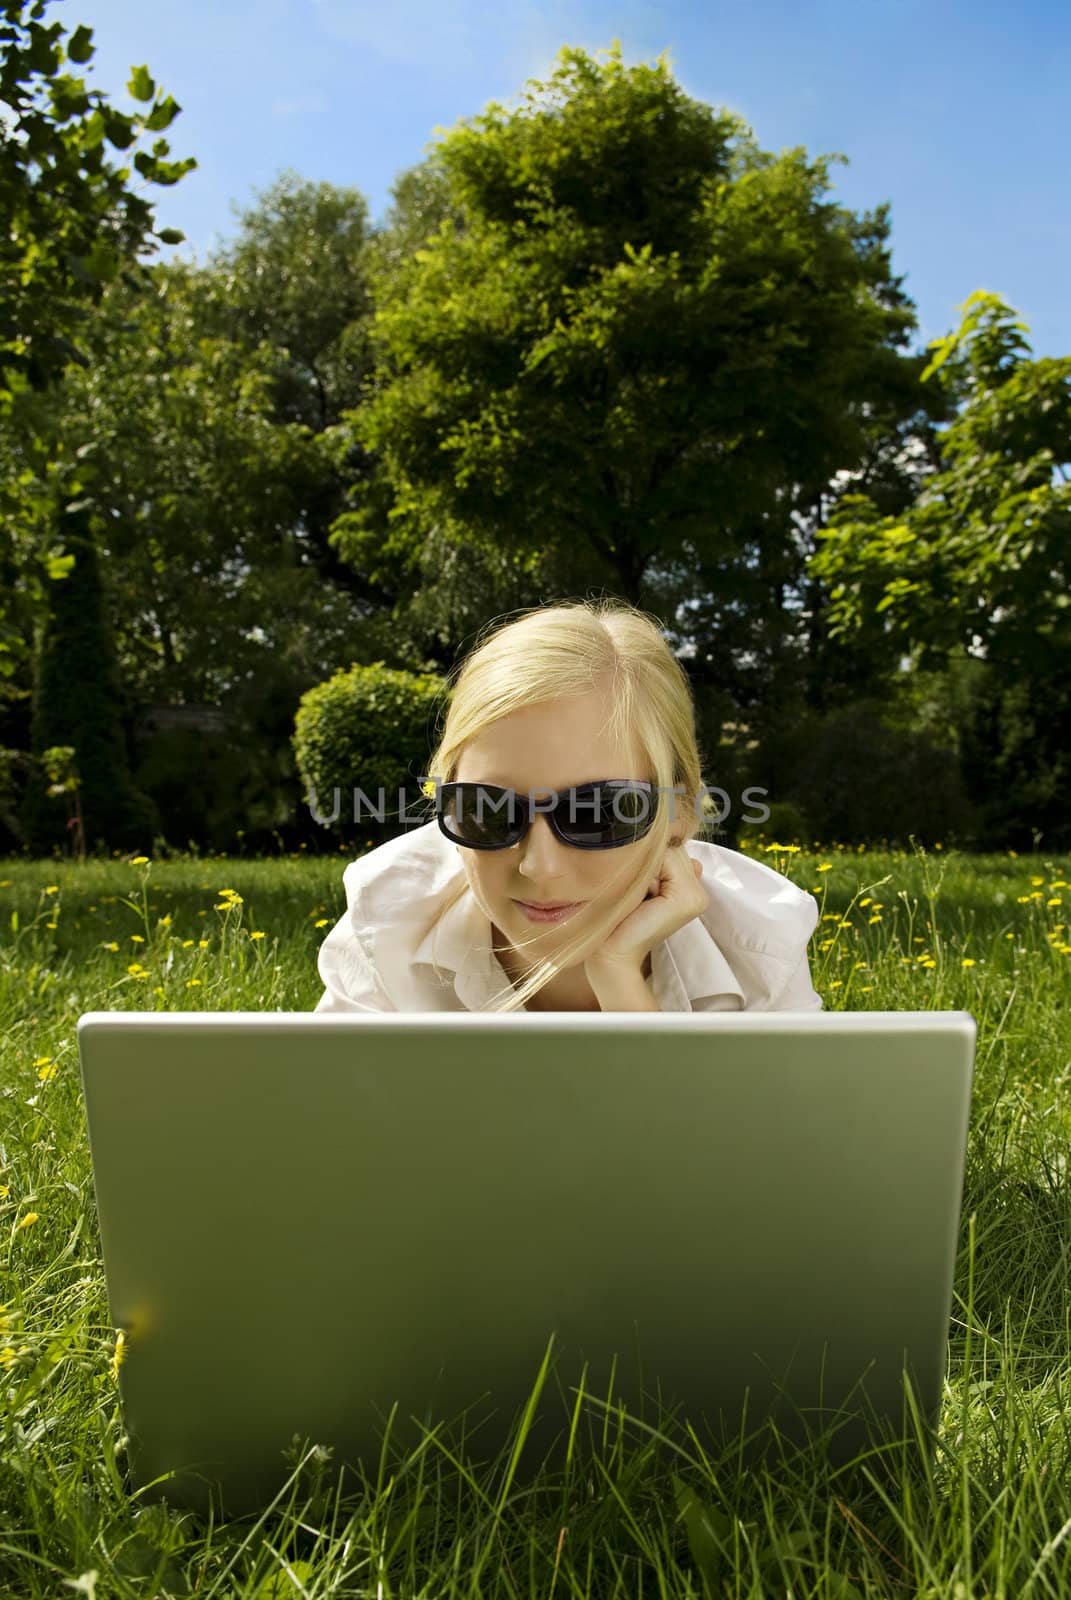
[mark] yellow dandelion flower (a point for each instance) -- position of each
(858, 964)
(1036, 881)
(136, 938)
(5, 1190)
(28, 1220)
(826, 866)
(1057, 900)
(202, 944)
(1014, 854)
(49, 1071)
(111, 946)
(53, 888)
(186, 943)
(5, 883)
(844, 923)
(1009, 936)
(42, 1061)
(119, 1353)
(868, 901)
(836, 984)
(139, 861)
(322, 922)
(969, 961)
(165, 922)
(866, 988)
(256, 936)
(192, 983)
(875, 918)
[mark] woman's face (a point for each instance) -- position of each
(542, 748)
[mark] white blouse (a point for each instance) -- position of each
(747, 951)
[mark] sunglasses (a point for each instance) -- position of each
(593, 816)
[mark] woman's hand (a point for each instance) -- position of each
(670, 900)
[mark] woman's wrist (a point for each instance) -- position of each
(619, 988)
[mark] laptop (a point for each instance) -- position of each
(361, 1230)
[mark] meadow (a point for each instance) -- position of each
(917, 929)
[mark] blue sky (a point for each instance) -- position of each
(954, 112)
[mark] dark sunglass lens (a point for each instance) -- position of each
(606, 814)
(479, 814)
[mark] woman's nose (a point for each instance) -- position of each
(541, 850)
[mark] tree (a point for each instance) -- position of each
(71, 227)
(978, 566)
(981, 559)
(193, 491)
(639, 332)
(71, 224)
(76, 703)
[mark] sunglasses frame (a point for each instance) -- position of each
(561, 797)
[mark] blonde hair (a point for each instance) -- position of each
(556, 652)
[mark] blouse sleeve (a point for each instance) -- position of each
(799, 993)
(352, 982)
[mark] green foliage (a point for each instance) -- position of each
(1015, 744)
(76, 705)
(71, 224)
(786, 823)
(203, 796)
(980, 559)
(366, 729)
(630, 332)
(854, 778)
(295, 281)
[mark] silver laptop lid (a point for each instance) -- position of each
(310, 1221)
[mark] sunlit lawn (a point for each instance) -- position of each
(900, 930)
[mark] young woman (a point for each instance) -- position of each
(562, 868)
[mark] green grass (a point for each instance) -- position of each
(900, 931)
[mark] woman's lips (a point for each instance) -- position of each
(543, 914)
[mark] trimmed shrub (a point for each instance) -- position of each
(359, 738)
